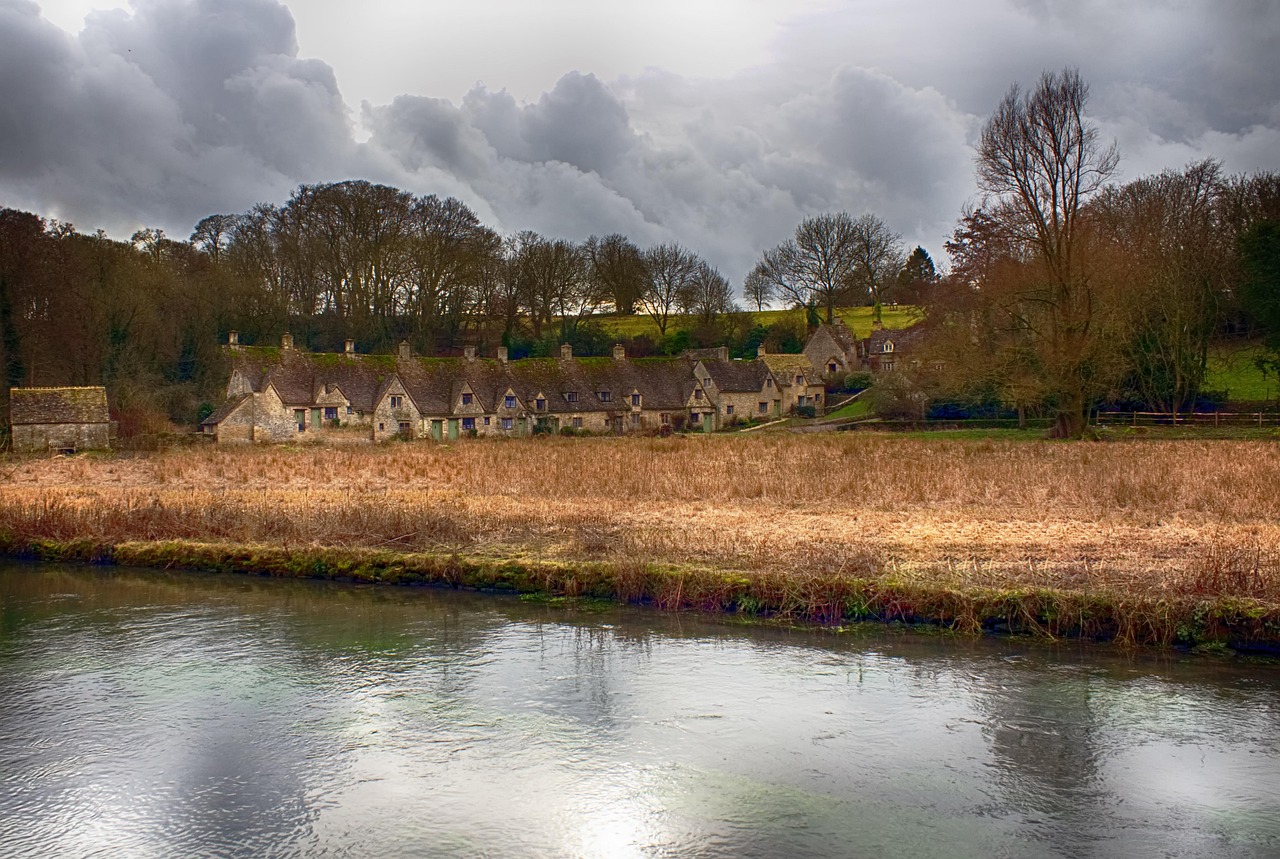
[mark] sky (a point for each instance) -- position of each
(719, 124)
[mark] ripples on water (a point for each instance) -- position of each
(153, 715)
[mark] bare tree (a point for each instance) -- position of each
(670, 272)
(829, 259)
(1171, 256)
(709, 294)
(1039, 162)
(757, 289)
(877, 259)
(617, 270)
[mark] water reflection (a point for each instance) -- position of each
(152, 714)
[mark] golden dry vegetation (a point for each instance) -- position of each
(1135, 517)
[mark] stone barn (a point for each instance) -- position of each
(44, 419)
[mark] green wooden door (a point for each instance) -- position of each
(453, 429)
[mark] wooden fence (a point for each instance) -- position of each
(1189, 419)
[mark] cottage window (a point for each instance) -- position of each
(331, 413)
(604, 396)
(888, 346)
(540, 404)
(381, 427)
(664, 419)
(831, 368)
(768, 382)
(799, 380)
(468, 424)
(349, 410)
(697, 394)
(405, 428)
(695, 418)
(764, 408)
(486, 420)
(509, 402)
(571, 396)
(635, 420)
(577, 423)
(300, 418)
(886, 365)
(635, 399)
(706, 381)
(507, 423)
(466, 399)
(728, 410)
(396, 401)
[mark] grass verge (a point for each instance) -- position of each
(1213, 617)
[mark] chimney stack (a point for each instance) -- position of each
(723, 353)
(761, 351)
(566, 351)
(233, 338)
(404, 350)
(876, 325)
(286, 342)
(469, 352)
(619, 352)
(349, 346)
(502, 354)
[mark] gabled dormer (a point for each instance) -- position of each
(509, 402)
(466, 401)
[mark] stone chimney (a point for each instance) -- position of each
(502, 354)
(761, 351)
(723, 353)
(469, 352)
(619, 352)
(233, 338)
(404, 350)
(566, 351)
(876, 325)
(286, 342)
(349, 346)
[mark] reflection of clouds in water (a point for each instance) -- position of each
(170, 715)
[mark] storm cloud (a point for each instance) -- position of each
(176, 109)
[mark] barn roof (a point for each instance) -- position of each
(87, 405)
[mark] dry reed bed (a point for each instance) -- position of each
(1157, 520)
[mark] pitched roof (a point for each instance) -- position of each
(900, 337)
(840, 333)
(87, 405)
(737, 376)
(224, 411)
(785, 368)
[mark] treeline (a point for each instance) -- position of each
(376, 264)
(1068, 290)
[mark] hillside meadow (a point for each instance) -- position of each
(1135, 537)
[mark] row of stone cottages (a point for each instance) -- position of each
(286, 393)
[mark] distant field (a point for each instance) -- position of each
(857, 318)
(1233, 368)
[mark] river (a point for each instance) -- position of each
(167, 714)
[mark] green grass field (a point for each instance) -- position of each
(857, 318)
(1233, 368)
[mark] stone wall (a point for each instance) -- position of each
(41, 438)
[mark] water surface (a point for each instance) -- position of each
(149, 714)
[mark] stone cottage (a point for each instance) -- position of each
(71, 419)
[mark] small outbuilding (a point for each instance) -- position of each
(44, 419)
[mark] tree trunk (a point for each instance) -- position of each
(1070, 420)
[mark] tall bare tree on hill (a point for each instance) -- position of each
(1040, 163)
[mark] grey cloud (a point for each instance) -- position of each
(187, 107)
(162, 116)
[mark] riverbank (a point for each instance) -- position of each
(1138, 541)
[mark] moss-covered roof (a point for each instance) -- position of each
(87, 405)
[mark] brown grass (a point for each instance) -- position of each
(1150, 520)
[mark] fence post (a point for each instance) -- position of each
(1135, 418)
